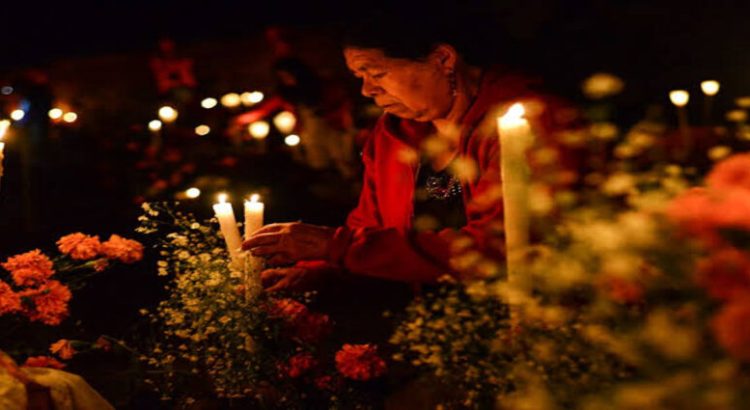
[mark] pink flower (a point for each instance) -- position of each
(44, 361)
(79, 246)
(124, 250)
(360, 362)
(30, 268)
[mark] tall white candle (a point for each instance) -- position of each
(229, 229)
(253, 222)
(253, 215)
(516, 138)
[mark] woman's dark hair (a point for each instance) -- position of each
(413, 36)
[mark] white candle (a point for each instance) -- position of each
(515, 139)
(228, 225)
(253, 222)
(2, 156)
(253, 215)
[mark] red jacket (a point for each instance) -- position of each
(377, 239)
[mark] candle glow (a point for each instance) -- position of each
(209, 103)
(679, 98)
(4, 125)
(259, 129)
(154, 125)
(292, 140)
(17, 115)
(231, 100)
(710, 87)
(55, 113)
(202, 130)
(167, 114)
(70, 117)
(285, 121)
(193, 193)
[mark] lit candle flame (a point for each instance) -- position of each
(679, 98)
(254, 197)
(710, 87)
(222, 198)
(515, 111)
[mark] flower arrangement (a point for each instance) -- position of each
(635, 296)
(213, 339)
(37, 288)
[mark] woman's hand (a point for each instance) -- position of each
(286, 243)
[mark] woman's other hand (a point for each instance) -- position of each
(286, 243)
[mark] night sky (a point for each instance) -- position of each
(668, 33)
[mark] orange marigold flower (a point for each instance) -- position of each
(79, 246)
(63, 348)
(30, 268)
(124, 250)
(731, 330)
(725, 274)
(731, 173)
(10, 301)
(360, 362)
(48, 303)
(702, 212)
(44, 361)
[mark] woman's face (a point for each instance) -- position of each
(415, 90)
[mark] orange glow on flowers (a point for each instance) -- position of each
(731, 329)
(47, 304)
(44, 361)
(702, 212)
(124, 250)
(79, 246)
(10, 301)
(30, 268)
(733, 172)
(63, 349)
(360, 362)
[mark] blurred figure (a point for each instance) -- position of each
(173, 74)
(322, 109)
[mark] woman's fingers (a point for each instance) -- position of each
(270, 276)
(279, 259)
(260, 239)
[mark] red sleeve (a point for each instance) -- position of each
(363, 247)
(366, 213)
